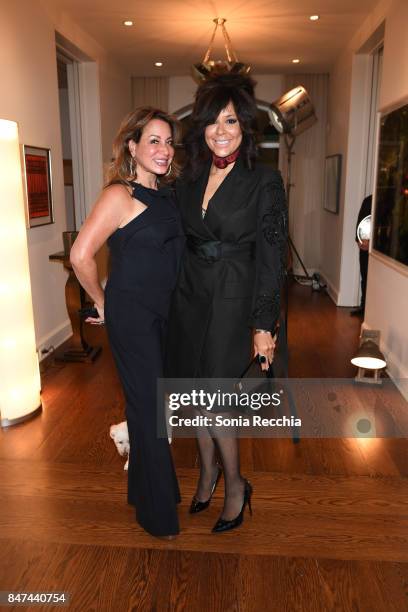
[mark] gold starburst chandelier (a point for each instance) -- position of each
(208, 67)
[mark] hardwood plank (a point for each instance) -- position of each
(325, 494)
(374, 586)
(329, 530)
(118, 578)
(270, 531)
(275, 583)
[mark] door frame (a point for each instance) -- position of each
(85, 126)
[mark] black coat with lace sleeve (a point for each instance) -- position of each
(218, 301)
(271, 253)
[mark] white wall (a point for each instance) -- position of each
(337, 138)
(269, 87)
(30, 96)
(114, 81)
(346, 134)
(387, 291)
(306, 194)
(395, 63)
(182, 89)
(354, 178)
(181, 92)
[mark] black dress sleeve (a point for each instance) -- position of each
(271, 253)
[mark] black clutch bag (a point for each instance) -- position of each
(255, 380)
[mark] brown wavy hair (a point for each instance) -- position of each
(131, 128)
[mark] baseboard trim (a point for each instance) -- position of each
(332, 291)
(54, 338)
(395, 369)
(298, 271)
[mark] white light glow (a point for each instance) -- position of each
(368, 363)
(314, 17)
(19, 371)
(158, 64)
(360, 424)
(275, 120)
(364, 229)
(296, 61)
(8, 130)
(128, 23)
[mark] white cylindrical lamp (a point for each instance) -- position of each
(19, 370)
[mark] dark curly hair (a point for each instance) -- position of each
(210, 99)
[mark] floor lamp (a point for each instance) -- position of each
(292, 114)
(19, 370)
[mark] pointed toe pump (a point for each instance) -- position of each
(198, 506)
(224, 525)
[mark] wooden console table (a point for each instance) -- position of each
(78, 349)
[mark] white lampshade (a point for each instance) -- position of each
(369, 356)
(19, 371)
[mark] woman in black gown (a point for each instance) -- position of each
(141, 224)
(227, 301)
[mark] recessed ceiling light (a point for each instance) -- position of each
(296, 61)
(314, 17)
(128, 23)
(158, 64)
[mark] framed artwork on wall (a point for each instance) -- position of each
(332, 178)
(38, 185)
(390, 233)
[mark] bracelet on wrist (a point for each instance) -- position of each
(262, 331)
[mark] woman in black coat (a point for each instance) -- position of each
(227, 300)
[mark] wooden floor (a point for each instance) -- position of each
(329, 529)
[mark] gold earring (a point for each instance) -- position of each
(132, 166)
(168, 171)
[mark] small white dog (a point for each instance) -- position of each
(120, 435)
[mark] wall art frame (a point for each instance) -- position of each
(38, 185)
(390, 229)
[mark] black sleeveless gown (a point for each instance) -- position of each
(145, 257)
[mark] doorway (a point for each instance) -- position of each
(80, 120)
(376, 58)
(65, 124)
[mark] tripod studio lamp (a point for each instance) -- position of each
(293, 113)
(369, 357)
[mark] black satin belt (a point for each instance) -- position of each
(214, 250)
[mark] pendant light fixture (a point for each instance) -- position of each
(209, 67)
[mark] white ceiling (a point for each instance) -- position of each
(267, 34)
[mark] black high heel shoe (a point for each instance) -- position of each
(198, 506)
(224, 525)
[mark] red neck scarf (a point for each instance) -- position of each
(222, 162)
